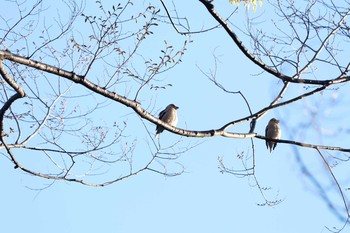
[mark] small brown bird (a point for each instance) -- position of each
(169, 116)
(273, 131)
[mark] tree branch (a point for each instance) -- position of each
(262, 65)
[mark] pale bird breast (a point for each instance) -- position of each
(275, 132)
(173, 117)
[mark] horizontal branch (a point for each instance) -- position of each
(318, 147)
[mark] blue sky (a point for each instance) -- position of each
(201, 199)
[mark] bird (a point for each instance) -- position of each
(272, 131)
(169, 116)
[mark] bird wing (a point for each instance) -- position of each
(266, 133)
(162, 113)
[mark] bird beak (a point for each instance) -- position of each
(176, 107)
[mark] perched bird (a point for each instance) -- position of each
(169, 116)
(273, 131)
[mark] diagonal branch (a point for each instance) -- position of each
(339, 188)
(114, 96)
(262, 65)
(238, 42)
